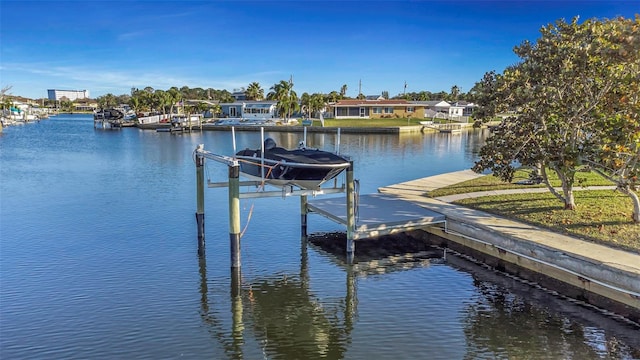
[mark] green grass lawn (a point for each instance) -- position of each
(491, 182)
(371, 122)
(602, 216)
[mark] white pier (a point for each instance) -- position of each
(377, 214)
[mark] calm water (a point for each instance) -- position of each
(98, 260)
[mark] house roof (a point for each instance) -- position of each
(432, 103)
(371, 102)
(251, 102)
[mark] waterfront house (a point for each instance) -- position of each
(376, 109)
(458, 111)
(250, 109)
(467, 107)
(239, 95)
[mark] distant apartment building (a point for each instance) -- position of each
(68, 94)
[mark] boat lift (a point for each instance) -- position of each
(234, 183)
(376, 214)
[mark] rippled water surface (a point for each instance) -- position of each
(98, 260)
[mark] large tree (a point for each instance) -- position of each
(485, 94)
(615, 152)
(5, 101)
(568, 86)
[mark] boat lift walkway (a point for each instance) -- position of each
(384, 214)
(377, 214)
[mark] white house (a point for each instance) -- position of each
(250, 109)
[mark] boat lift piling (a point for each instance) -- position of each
(234, 201)
(351, 217)
(199, 159)
(304, 210)
(234, 214)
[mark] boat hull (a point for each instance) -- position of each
(304, 168)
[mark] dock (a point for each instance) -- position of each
(377, 214)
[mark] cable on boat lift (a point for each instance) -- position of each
(261, 186)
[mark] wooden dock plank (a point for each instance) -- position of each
(377, 214)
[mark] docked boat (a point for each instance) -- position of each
(303, 167)
(108, 115)
(115, 117)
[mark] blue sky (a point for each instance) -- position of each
(111, 46)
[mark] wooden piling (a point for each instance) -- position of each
(234, 214)
(351, 218)
(200, 199)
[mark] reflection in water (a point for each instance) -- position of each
(498, 320)
(232, 345)
(284, 315)
(512, 320)
(504, 318)
(294, 323)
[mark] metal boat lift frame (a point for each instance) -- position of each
(234, 183)
(378, 214)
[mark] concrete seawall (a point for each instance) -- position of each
(310, 129)
(605, 277)
(289, 128)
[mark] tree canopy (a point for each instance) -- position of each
(574, 104)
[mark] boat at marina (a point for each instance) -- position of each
(108, 114)
(115, 117)
(306, 168)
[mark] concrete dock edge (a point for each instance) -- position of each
(599, 275)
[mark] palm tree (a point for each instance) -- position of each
(254, 91)
(146, 97)
(173, 96)
(305, 102)
(106, 101)
(135, 103)
(311, 103)
(455, 92)
(423, 96)
(316, 103)
(286, 97)
(293, 103)
(160, 100)
(343, 90)
(333, 96)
